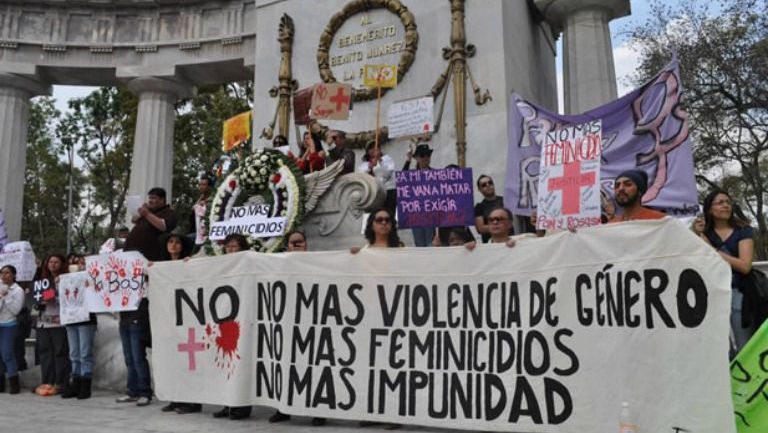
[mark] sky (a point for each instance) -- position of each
(624, 57)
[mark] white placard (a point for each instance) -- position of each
(410, 117)
(132, 204)
(72, 289)
(20, 255)
(250, 220)
(117, 281)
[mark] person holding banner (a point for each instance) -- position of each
(490, 202)
(297, 242)
(80, 341)
(381, 167)
(499, 224)
(628, 189)
(381, 231)
(422, 236)
(11, 302)
(233, 243)
(727, 230)
(177, 247)
(52, 347)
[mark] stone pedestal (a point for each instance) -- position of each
(589, 76)
(152, 163)
(15, 92)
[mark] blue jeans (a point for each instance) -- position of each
(80, 339)
(422, 236)
(133, 337)
(7, 341)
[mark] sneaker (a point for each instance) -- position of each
(170, 407)
(126, 399)
(279, 417)
(188, 408)
(143, 401)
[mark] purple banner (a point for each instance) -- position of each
(645, 129)
(435, 198)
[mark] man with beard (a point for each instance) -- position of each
(628, 190)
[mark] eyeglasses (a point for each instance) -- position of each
(382, 220)
(297, 242)
(494, 220)
(722, 202)
(488, 183)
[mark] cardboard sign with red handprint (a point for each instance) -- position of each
(72, 289)
(118, 281)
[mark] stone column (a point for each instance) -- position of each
(152, 163)
(15, 92)
(589, 76)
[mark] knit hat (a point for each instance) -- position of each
(639, 177)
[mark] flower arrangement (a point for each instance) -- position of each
(269, 177)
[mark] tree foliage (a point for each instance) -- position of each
(46, 180)
(100, 126)
(197, 138)
(723, 55)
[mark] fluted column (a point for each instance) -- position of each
(15, 92)
(589, 75)
(152, 163)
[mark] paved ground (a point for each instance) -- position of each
(27, 412)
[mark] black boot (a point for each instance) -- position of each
(73, 388)
(2, 383)
(13, 385)
(84, 391)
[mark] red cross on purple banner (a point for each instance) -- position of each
(570, 184)
(191, 347)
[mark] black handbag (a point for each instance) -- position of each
(755, 303)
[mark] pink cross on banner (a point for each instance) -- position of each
(191, 347)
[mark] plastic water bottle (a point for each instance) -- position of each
(626, 423)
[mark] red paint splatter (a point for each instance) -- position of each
(208, 329)
(232, 184)
(229, 335)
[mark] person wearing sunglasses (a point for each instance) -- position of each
(380, 231)
(499, 224)
(490, 202)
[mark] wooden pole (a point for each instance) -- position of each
(378, 111)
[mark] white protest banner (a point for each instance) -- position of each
(20, 255)
(410, 117)
(549, 336)
(250, 220)
(569, 177)
(3, 234)
(117, 281)
(72, 292)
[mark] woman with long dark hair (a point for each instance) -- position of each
(52, 347)
(728, 231)
(381, 230)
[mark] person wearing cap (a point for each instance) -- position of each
(628, 190)
(338, 150)
(381, 167)
(422, 236)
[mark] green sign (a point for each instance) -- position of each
(749, 384)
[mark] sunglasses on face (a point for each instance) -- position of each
(488, 183)
(494, 220)
(382, 220)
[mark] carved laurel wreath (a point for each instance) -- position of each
(352, 8)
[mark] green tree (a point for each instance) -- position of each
(724, 64)
(44, 223)
(197, 139)
(100, 126)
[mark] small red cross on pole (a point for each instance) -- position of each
(191, 347)
(339, 98)
(570, 184)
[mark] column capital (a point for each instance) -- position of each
(178, 88)
(555, 12)
(30, 86)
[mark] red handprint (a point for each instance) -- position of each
(118, 265)
(138, 268)
(93, 270)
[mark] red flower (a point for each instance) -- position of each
(276, 178)
(232, 183)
